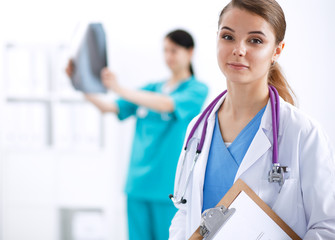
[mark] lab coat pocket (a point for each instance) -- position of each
(286, 202)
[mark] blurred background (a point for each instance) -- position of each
(62, 163)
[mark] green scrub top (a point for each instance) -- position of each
(159, 138)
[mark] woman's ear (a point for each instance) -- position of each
(278, 50)
(190, 52)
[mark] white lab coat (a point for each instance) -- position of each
(306, 201)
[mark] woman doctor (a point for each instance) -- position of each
(239, 138)
(163, 110)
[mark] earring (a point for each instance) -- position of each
(273, 63)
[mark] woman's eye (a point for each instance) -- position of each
(256, 40)
(227, 37)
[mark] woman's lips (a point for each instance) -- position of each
(237, 66)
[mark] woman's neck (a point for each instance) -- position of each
(178, 77)
(245, 100)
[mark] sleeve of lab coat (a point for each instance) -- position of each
(178, 227)
(317, 174)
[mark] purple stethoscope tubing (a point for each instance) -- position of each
(204, 114)
(274, 99)
(274, 175)
(275, 106)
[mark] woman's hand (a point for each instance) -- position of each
(69, 68)
(109, 80)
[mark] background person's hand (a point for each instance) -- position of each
(69, 68)
(109, 80)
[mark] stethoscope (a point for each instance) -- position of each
(276, 174)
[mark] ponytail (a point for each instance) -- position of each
(191, 69)
(277, 79)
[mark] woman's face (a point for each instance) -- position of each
(245, 47)
(177, 57)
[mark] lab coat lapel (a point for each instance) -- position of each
(200, 168)
(259, 145)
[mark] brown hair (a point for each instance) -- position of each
(271, 11)
(183, 39)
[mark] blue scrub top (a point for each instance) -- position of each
(158, 139)
(223, 162)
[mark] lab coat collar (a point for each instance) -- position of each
(212, 115)
(200, 167)
(266, 122)
(262, 141)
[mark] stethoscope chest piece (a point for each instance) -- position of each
(277, 174)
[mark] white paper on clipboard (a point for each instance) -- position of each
(250, 222)
(241, 214)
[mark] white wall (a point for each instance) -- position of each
(308, 61)
(135, 30)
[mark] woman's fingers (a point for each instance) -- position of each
(108, 79)
(69, 68)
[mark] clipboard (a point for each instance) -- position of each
(223, 208)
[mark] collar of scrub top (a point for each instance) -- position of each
(274, 100)
(276, 174)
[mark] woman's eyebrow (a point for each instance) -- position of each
(228, 28)
(252, 32)
(257, 32)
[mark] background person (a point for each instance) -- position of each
(163, 110)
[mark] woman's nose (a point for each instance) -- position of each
(239, 50)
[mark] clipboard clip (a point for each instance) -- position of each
(213, 219)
